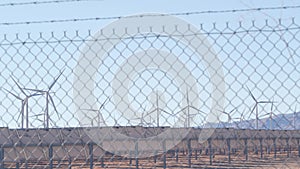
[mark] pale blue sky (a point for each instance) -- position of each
(105, 8)
(285, 95)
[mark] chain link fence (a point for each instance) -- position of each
(152, 91)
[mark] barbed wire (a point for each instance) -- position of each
(146, 15)
(41, 2)
(151, 35)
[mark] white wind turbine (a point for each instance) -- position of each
(229, 118)
(271, 115)
(188, 108)
(99, 115)
(294, 117)
(256, 107)
(158, 110)
(142, 120)
(24, 107)
(48, 97)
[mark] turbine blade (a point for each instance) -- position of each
(152, 111)
(251, 94)
(221, 111)
(194, 108)
(22, 109)
(103, 103)
(264, 102)
(55, 80)
(242, 114)
(272, 105)
(187, 96)
(89, 109)
(19, 98)
(184, 108)
(19, 87)
(36, 115)
(35, 94)
(173, 114)
(197, 110)
(51, 121)
(53, 105)
(40, 120)
(252, 111)
(165, 111)
(34, 90)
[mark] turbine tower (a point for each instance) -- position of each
(48, 97)
(24, 107)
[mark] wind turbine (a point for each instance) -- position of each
(116, 121)
(256, 107)
(271, 116)
(24, 104)
(242, 115)
(294, 117)
(228, 115)
(22, 107)
(189, 107)
(142, 119)
(36, 117)
(48, 97)
(152, 121)
(99, 115)
(241, 118)
(157, 110)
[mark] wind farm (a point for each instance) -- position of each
(232, 143)
(151, 91)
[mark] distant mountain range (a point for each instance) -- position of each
(278, 122)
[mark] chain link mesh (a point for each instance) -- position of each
(258, 125)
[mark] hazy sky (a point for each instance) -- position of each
(108, 8)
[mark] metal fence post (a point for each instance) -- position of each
(155, 156)
(210, 151)
(275, 148)
(260, 148)
(165, 154)
(287, 147)
(50, 156)
(17, 165)
(177, 152)
(298, 147)
(69, 163)
(26, 164)
(189, 152)
(246, 149)
(91, 155)
(229, 150)
(136, 155)
(2, 157)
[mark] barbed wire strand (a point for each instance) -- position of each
(42, 2)
(146, 15)
(152, 35)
